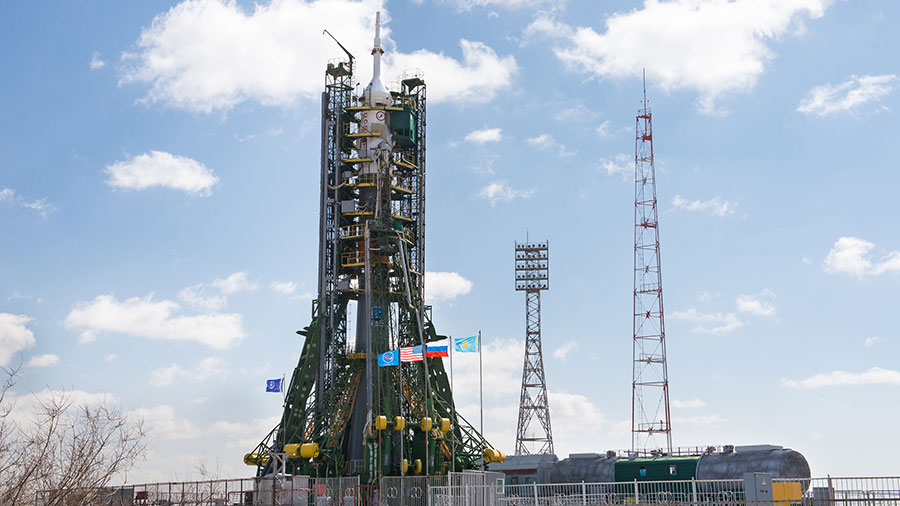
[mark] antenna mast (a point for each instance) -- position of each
(651, 428)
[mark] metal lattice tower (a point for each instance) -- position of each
(353, 417)
(533, 276)
(650, 421)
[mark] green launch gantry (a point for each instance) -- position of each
(343, 414)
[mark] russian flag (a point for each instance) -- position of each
(436, 351)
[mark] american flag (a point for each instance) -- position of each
(411, 354)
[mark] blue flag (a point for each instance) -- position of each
(389, 358)
(467, 344)
(274, 385)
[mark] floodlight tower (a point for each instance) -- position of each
(651, 428)
(533, 276)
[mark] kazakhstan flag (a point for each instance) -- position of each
(466, 344)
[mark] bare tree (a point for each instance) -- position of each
(67, 453)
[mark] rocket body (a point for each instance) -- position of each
(377, 147)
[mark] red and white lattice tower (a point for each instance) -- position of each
(651, 428)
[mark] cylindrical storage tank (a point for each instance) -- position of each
(592, 469)
(779, 462)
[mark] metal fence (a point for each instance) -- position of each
(488, 489)
(883, 491)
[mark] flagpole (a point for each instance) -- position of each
(283, 428)
(452, 345)
(481, 391)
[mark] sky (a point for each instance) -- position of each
(159, 185)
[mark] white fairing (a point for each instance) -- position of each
(376, 93)
(375, 120)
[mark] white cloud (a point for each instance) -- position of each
(716, 205)
(162, 169)
(109, 357)
(546, 142)
(621, 427)
(502, 388)
(563, 351)
(504, 375)
(851, 255)
(208, 55)
(202, 298)
(759, 304)
(604, 129)
(545, 25)
(874, 376)
(485, 135)
(96, 62)
(711, 46)
(485, 165)
(235, 283)
(709, 323)
(501, 192)
(40, 206)
(25, 406)
(47, 360)
(243, 435)
(163, 424)
(210, 367)
(507, 4)
(214, 296)
(871, 340)
(693, 403)
(568, 412)
(852, 93)
(18, 296)
(698, 420)
(283, 287)
(620, 164)
(441, 286)
(151, 319)
(271, 132)
(14, 335)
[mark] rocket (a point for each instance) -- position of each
(376, 121)
(377, 146)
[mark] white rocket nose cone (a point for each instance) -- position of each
(375, 92)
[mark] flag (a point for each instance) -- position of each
(274, 385)
(389, 358)
(467, 344)
(411, 353)
(436, 351)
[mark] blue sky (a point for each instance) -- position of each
(159, 188)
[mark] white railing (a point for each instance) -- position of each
(488, 489)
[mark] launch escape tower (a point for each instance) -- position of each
(343, 414)
(533, 276)
(650, 420)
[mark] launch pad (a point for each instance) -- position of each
(344, 415)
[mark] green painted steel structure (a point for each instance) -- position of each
(372, 223)
(657, 468)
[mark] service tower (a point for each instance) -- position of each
(343, 413)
